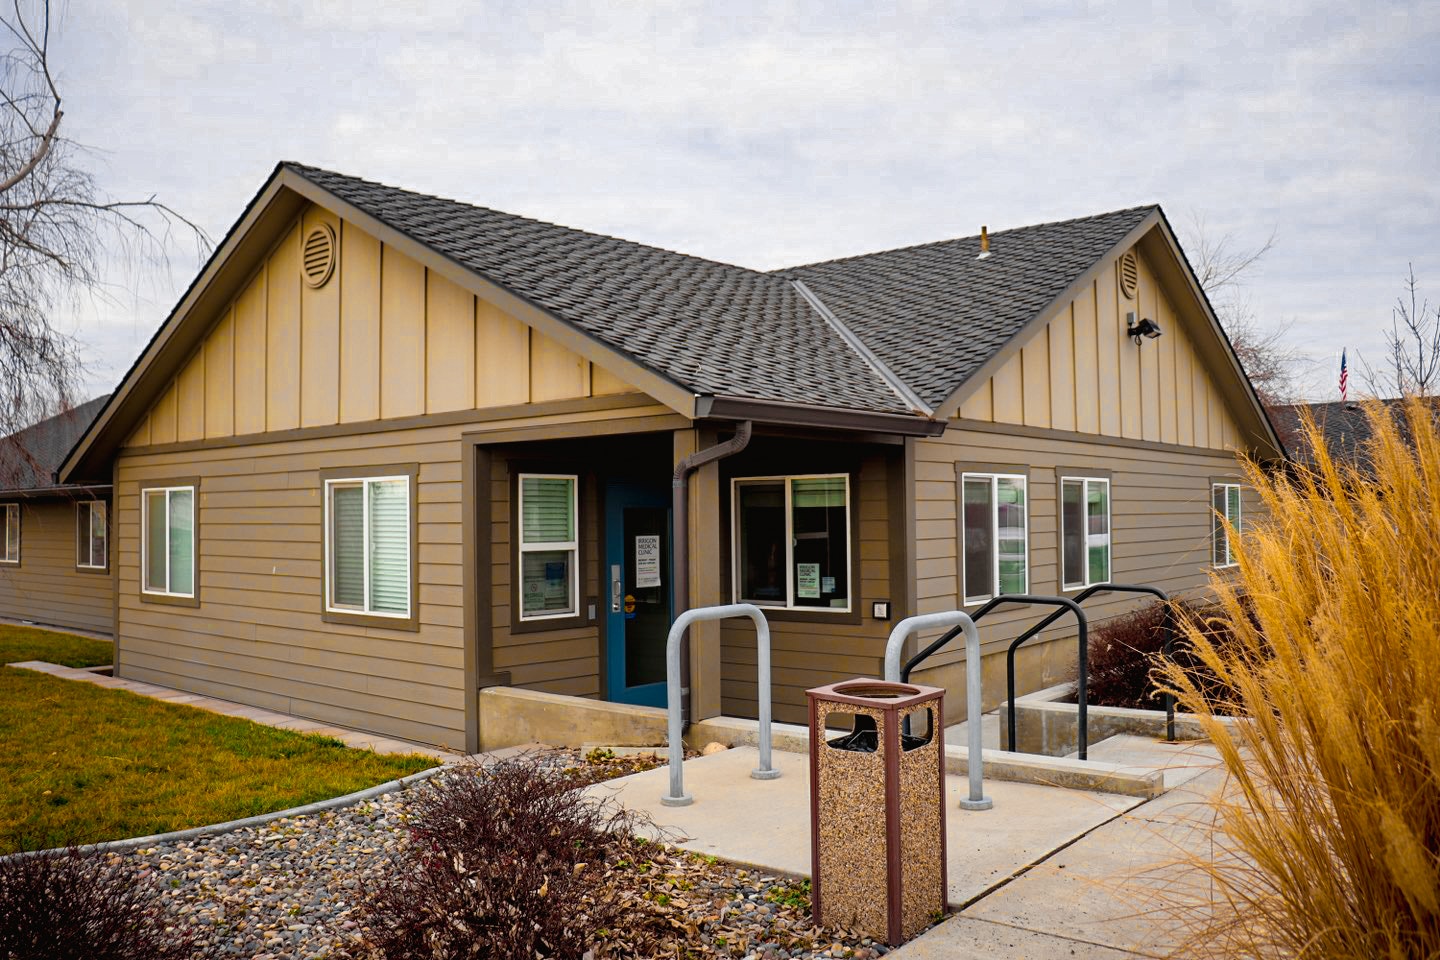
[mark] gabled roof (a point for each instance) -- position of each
(30, 457)
(887, 341)
(935, 313)
(713, 328)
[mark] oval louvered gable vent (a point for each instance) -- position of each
(1129, 275)
(317, 258)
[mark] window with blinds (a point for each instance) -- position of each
(1225, 504)
(549, 547)
(994, 535)
(9, 533)
(167, 541)
(91, 540)
(367, 546)
(791, 542)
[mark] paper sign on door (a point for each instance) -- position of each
(647, 560)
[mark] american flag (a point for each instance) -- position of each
(1344, 377)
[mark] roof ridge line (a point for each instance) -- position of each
(303, 168)
(892, 380)
(909, 247)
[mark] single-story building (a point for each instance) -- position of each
(391, 449)
(54, 538)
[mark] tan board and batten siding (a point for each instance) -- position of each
(383, 339)
(1079, 394)
(46, 587)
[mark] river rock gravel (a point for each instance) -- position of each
(291, 889)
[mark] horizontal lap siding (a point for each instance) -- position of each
(564, 661)
(258, 636)
(1160, 524)
(46, 587)
(806, 655)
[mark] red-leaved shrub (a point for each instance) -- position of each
(501, 863)
(76, 905)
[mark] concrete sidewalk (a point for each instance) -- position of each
(1101, 895)
(1048, 873)
(270, 718)
(765, 823)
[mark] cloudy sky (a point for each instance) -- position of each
(776, 133)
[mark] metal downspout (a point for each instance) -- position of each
(680, 508)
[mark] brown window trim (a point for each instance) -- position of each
(852, 616)
(19, 538)
(105, 570)
(963, 467)
(1078, 473)
(158, 598)
(585, 485)
(410, 624)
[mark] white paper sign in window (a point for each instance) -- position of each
(647, 560)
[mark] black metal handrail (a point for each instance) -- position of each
(1064, 603)
(1079, 598)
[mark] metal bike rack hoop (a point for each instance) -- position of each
(677, 797)
(973, 689)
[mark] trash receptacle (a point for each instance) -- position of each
(877, 807)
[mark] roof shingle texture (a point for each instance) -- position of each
(934, 313)
(30, 457)
(710, 327)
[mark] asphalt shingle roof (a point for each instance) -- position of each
(30, 457)
(934, 313)
(714, 328)
(1344, 429)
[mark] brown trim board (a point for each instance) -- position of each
(271, 209)
(1046, 433)
(947, 408)
(673, 395)
(518, 411)
(410, 624)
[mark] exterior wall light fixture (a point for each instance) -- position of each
(1146, 328)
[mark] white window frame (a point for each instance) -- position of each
(145, 541)
(572, 546)
(85, 546)
(11, 512)
(1091, 539)
(994, 479)
(364, 608)
(1230, 560)
(735, 484)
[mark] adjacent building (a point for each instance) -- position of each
(54, 538)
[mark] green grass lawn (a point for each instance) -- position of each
(83, 763)
(32, 643)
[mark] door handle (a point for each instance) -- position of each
(617, 588)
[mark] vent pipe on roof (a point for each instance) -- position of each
(984, 242)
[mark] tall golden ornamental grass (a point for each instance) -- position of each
(1329, 845)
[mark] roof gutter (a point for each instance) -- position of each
(804, 415)
(680, 535)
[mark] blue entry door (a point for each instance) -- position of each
(639, 605)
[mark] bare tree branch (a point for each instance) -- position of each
(1412, 345)
(57, 228)
(1222, 267)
